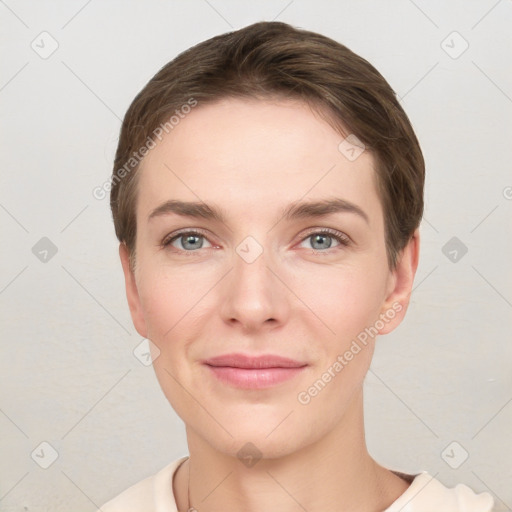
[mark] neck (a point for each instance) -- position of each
(335, 473)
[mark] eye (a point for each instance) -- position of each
(192, 240)
(188, 241)
(321, 240)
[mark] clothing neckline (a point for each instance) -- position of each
(405, 476)
(411, 479)
(160, 489)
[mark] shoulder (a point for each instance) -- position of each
(426, 493)
(150, 494)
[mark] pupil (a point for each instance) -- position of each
(321, 238)
(193, 240)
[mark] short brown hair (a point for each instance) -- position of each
(274, 59)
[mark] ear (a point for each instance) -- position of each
(132, 294)
(400, 284)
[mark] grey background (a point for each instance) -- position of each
(68, 375)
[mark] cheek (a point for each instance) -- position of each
(159, 307)
(346, 300)
(169, 299)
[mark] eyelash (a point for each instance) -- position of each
(340, 237)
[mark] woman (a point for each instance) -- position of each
(267, 193)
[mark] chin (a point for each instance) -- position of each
(256, 446)
(265, 438)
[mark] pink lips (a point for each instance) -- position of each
(257, 372)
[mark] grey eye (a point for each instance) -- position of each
(188, 241)
(191, 242)
(321, 241)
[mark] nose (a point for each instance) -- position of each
(253, 297)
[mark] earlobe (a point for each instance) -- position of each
(132, 293)
(401, 282)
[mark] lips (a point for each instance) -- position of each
(253, 372)
(253, 362)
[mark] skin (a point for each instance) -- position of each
(298, 299)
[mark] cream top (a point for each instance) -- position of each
(425, 494)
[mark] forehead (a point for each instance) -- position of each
(247, 152)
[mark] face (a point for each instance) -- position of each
(260, 266)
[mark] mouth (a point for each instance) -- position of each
(254, 372)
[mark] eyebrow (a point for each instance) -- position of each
(295, 210)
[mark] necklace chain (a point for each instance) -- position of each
(190, 508)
